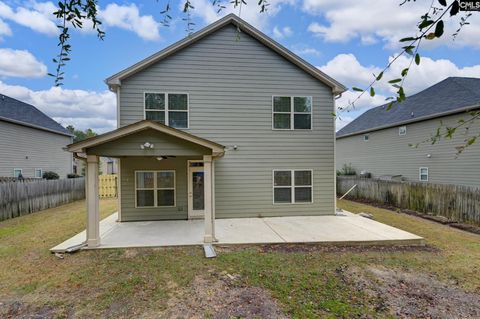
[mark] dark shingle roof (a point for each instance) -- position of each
(23, 113)
(453, 93)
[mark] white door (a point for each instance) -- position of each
(196, 191)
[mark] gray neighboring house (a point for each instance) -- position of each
(378, 140)
(225, 123)
(31, 142)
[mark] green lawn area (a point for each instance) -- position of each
(312, 282)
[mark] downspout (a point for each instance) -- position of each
(335, 97)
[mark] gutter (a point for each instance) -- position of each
(418, 119)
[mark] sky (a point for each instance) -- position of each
(350, 40)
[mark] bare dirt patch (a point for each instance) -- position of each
(331, 248)
(413, 295)
(20, 310)
(222, 297)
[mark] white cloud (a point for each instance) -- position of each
(280, 33)
(302, 50)
(20, 63)
(83, 109)
(32, 18)
(342, 121)
(128, 17)
(250, 13)
(4, 29)
(372, 20)
(349, 71)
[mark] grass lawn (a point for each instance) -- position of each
(156, 283)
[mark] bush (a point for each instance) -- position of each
(72, 175)
(50, 175)
(347, 169)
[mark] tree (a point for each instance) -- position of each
(81, 135)
(73, 13)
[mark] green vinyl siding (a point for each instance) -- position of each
(231, 79)
(163, 144)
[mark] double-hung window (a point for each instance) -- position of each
(423, 174)
(292, 112)
(38, 173)
(155, 188)
(292, 186)
(167, 108)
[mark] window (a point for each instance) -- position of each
(167, 108)
(366, 137)
(292, 186)
(402, 130)
(38, 173)
(292, 112)
(17, 172)
(423, 174)
(155, 188)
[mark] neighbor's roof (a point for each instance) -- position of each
(452, 95)
(18, 112)
(337, 87)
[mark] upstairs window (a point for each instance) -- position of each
(167, 108)
(292, 186)
(292, 112)
(402, 130)
(366, 137)
(423, 172)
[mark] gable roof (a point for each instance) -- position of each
(79, 147)
(19, 112)
(452, 95)
(337, 87)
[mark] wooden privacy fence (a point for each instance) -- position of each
(25, 197)
(457, 203)
(107, 185)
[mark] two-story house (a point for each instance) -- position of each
(31, 143)
(381, 141)
(224, 123)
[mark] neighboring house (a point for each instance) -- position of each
(225, 123)
(108, 165)
(378, 140)
(31, 143)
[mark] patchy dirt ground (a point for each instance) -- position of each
(410, 295)
(222, 297)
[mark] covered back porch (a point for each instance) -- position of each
(164, 174)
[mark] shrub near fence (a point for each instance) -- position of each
(22, 198)
(457, 203)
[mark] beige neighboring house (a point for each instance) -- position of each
(31, 143)
(378, 141)
(225, 123)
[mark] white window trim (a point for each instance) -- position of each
(17, 169)
(420, 174)
(35, 171)
(155, 188)
(366, 137)
(166, 110)
(400, 130)
(292, 186)
(292, 114)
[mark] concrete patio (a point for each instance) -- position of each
(344, 228)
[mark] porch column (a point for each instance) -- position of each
(207, 169)
(93, 207)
